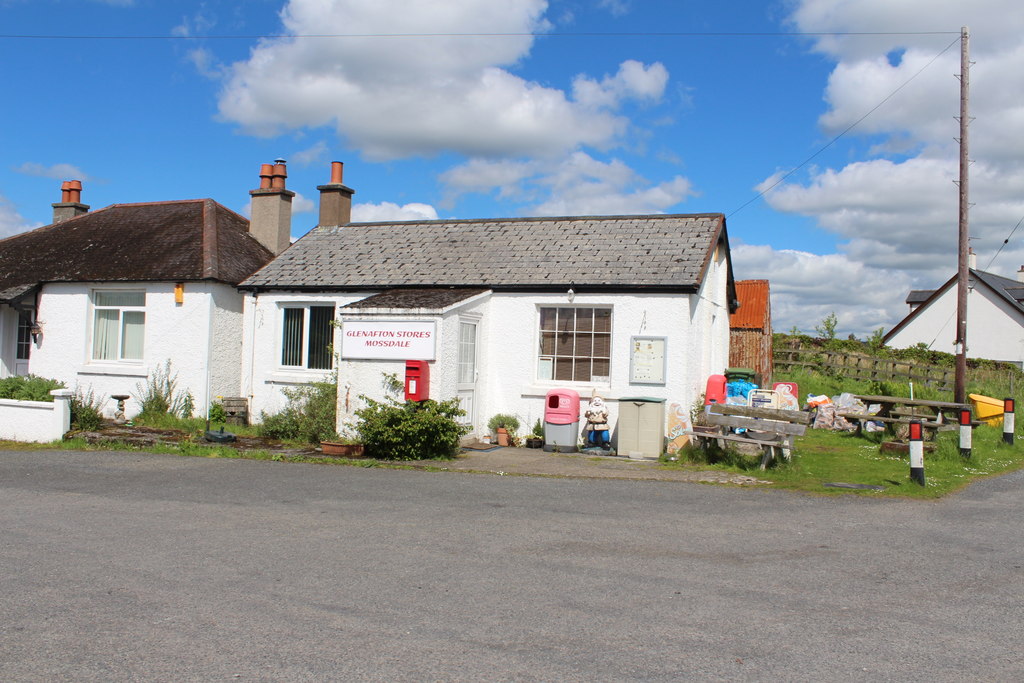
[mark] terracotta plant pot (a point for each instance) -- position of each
(502, 436)
(344, 450)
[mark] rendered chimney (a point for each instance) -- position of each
(972, 259)
(271, 221)
(1020, 274)
(335, 199)
(70, 204)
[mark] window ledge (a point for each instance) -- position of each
(584, 389)
(114, 370)
(297, 376)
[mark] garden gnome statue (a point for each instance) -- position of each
(597, 423)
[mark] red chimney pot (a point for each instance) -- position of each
(336, 170)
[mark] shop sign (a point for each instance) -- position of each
(386, 340)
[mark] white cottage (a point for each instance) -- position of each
(101, 299)
(995, 318)
(502, 310)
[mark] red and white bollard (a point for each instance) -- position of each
(1008, 426)
(916, 452)
(965, 433)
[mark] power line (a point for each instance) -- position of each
(853, 125)
(556, 34)
(1005, 242)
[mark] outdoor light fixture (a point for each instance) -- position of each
(36, 331)
(571, 294)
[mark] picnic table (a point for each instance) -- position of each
(895, 410)
(771, 429)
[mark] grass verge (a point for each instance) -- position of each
(822, 457)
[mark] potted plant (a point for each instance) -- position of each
(536, 438)
(503, 426)
(343, 445)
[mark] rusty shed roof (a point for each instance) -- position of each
(186, 240)
(755, 311)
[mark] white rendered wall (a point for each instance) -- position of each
(37, 421)
(8, 339)
(180, 333)
(263, 376)
(995, 330)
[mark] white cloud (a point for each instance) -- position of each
(633, 80)
(55, 172)
(310, 155)
(805, 288)
(896, 212)
(576, 184)
(394, 97)
(12, 222)
(388, 211)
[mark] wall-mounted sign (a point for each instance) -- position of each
(389, 340)
(647, 361)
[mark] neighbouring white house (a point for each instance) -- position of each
(501, 310)
(101, 299)
(995, 318)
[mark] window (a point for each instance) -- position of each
(307, 337)
(24, 337)
(119, 325)
(575, 344)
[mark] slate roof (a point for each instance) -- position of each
(436, 299)
(668, 252)
(919, 296)
(161, 241)
(754, 312)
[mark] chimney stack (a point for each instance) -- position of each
(972, 259)
(271, 220)
(70, 204)
(335, 199)
(1020, 274)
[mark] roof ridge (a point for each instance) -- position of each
(537, 219)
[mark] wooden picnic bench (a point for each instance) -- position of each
(772, 429)
(935, 416)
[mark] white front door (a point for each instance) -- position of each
(466, 388)
(23, 344)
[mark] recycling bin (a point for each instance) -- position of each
(561, 421)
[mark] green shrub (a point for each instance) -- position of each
(28, 388)
(159, 395)
(86, 411)
(425, 430)
(507, 422)
(310, 414)
(217, 412)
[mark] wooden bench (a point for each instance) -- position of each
(771, 429)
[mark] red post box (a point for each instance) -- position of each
(417, 380)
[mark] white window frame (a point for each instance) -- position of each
(306, 309)
(549, 359)
(119, 354)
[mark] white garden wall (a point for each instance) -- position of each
(37, 421)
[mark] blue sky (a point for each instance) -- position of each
(582, 107)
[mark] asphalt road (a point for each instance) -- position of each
(148, 567)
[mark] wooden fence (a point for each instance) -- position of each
(864, 367)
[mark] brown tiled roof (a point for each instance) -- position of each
(668, 252)
(755, 308)
(163, 241)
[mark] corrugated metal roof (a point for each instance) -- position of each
(755, 311)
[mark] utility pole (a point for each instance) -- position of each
(960, 345)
